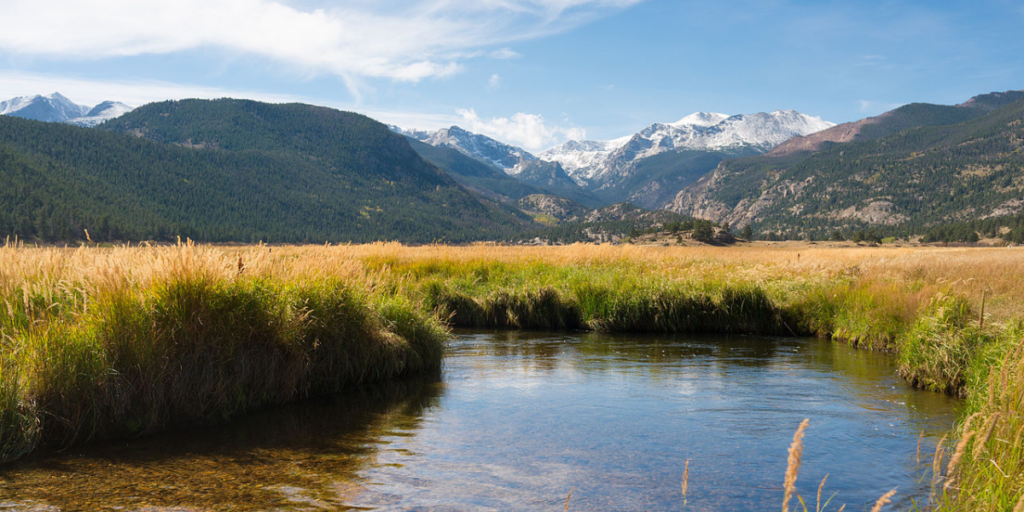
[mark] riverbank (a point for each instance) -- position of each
(124, 342)
(951, 316)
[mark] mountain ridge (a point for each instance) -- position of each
(233, 170)
(648, 167)
(57, 108)
(954, 164)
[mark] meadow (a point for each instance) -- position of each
(123, 341)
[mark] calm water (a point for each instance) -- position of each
(517, 420)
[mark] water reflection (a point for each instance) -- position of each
(616, 415)
(301, 457)
(521, 418)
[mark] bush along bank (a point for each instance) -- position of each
(194, 349)
(934, 334)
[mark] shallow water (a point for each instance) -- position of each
(516, 420)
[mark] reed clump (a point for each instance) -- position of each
(198, 345)
(936, 353)
(607, 299)
(986, 471)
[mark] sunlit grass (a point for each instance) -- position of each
(183, 336)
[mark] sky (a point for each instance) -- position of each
(532, 73)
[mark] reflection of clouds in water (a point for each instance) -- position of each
(613, 416)
(522, 418)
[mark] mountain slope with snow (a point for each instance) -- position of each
(52, 108)
(597, 162)
(578, 156)
(648, 167)
(56, 108)
(506, 157)
(101, 113)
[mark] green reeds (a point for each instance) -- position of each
(986, 471)
(19, 424)
(606, 308)
(866, 313)
(194, 349)
(540, 309)
(937, 351)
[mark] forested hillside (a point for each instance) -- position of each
(230, 170)
(906, 183)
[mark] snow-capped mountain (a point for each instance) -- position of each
(702, 119)
(56, 108)
(52, 108)
(625, 169)
(510, 159)
(100, 113)
(420, 135)
(597, 161)
(576, 156)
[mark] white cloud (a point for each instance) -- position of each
(504, 54)
(876, 107)
(494, 82)
(134, 93)
(140, 92)
(402, 40)
(530, 131)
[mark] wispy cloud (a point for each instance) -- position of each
(494, 82)
(504, 54)
(400, 40)
(530, 131)
(132, 92)
(876, 107)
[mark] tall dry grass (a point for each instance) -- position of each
(121, 342)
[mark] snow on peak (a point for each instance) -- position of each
(504, 156)
(587, 161)
(100, 113)
(701, 119)
(58, 108)
(420, 135)
(53, 107)
(576, 156)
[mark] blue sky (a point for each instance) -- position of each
(529, 72)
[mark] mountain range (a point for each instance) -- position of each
(57, 108)
(647, 168)
(233, 170)
(236, 170)
(905, 171)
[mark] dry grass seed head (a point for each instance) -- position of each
(820, 487)
(796, 450)
(961, 448)
(686, 477)
(884, 500)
